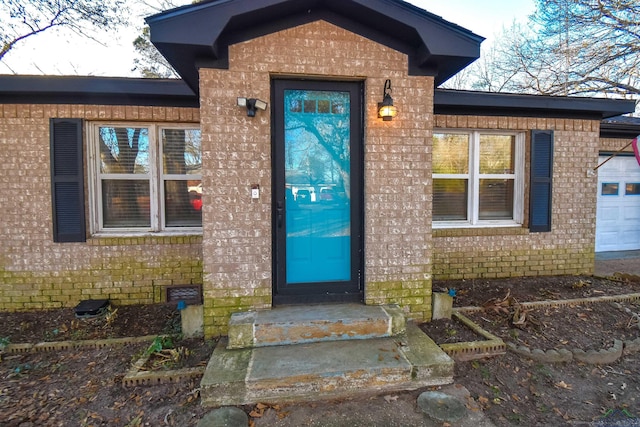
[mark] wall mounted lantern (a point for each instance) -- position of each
(386, 110)
(252, 104)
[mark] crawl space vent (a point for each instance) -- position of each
(190, 294)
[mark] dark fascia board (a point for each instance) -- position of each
(455, 102)
(620, 127)
(20, 89)
(16, 89)
(199, 35)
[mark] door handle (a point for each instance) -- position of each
(279, 213)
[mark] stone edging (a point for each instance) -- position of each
(133, 378)
(137, 376)
(622, 277)
(600, 357)
(464, 351)
(562, 303)
(592, 357)
(70, 345)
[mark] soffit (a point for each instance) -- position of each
(199, 35)
(461, 102)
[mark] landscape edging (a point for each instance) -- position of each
(138, 376)
(133, 377)
(45, 346)
(564, 302)
(593, 357)
(472, 350)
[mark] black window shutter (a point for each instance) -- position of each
(67, 180)
(541, 180)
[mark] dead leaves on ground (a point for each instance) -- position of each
(261, 409)
(563, 385)
(499, 305)
(509, 306)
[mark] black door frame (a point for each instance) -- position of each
(322, 291)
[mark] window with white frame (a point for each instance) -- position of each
(477, 178)
(145, 177)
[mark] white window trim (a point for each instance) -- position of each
(473, 178)
(156, 191)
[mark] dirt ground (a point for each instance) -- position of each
(83, 387)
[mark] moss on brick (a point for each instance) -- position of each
(513, 263)
(119, 279)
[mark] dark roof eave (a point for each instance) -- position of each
(435, 46)
(91, 90)
(447, 101)
(617, 130)
(175, 93)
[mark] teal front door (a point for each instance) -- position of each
(318, 252)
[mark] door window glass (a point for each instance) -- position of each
(317, 162)
(609, 189)
(632, 189)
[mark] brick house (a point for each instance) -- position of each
(124, 188)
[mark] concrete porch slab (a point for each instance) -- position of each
(324, 370)
(302, 324)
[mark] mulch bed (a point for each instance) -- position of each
(587, 327)
(475, 292)
(83, 387)
(62, 324)
(181, 353)
(583, 326)
(449, 331)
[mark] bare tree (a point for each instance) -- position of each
(568, 47)
(499, 65)
(20, 19)
(579, 47)
(150, 63)
(463, 80)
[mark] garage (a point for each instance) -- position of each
(618, 206)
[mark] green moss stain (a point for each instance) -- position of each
(412, 296)
(505, 263)
(122, 279)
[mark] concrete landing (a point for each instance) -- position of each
(324, 370)
(304, 324)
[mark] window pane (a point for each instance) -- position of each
(183, 203)
(632, 189)
(310, 106)
(182, 151)
(125, 203)
(450, 153)
(124, 150)
(450, 199)
(324, 106)
(609, 189)
(496, 199)
(497, 154)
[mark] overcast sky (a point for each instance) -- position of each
(61, 52)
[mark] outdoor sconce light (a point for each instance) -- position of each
(252, 105)
(386, 110)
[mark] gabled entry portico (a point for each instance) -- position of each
(230, 49)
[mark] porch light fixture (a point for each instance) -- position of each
(252, 104)
(386, 110)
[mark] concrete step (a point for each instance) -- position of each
(324, 370)
(318, 323)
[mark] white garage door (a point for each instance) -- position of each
(618, 214)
